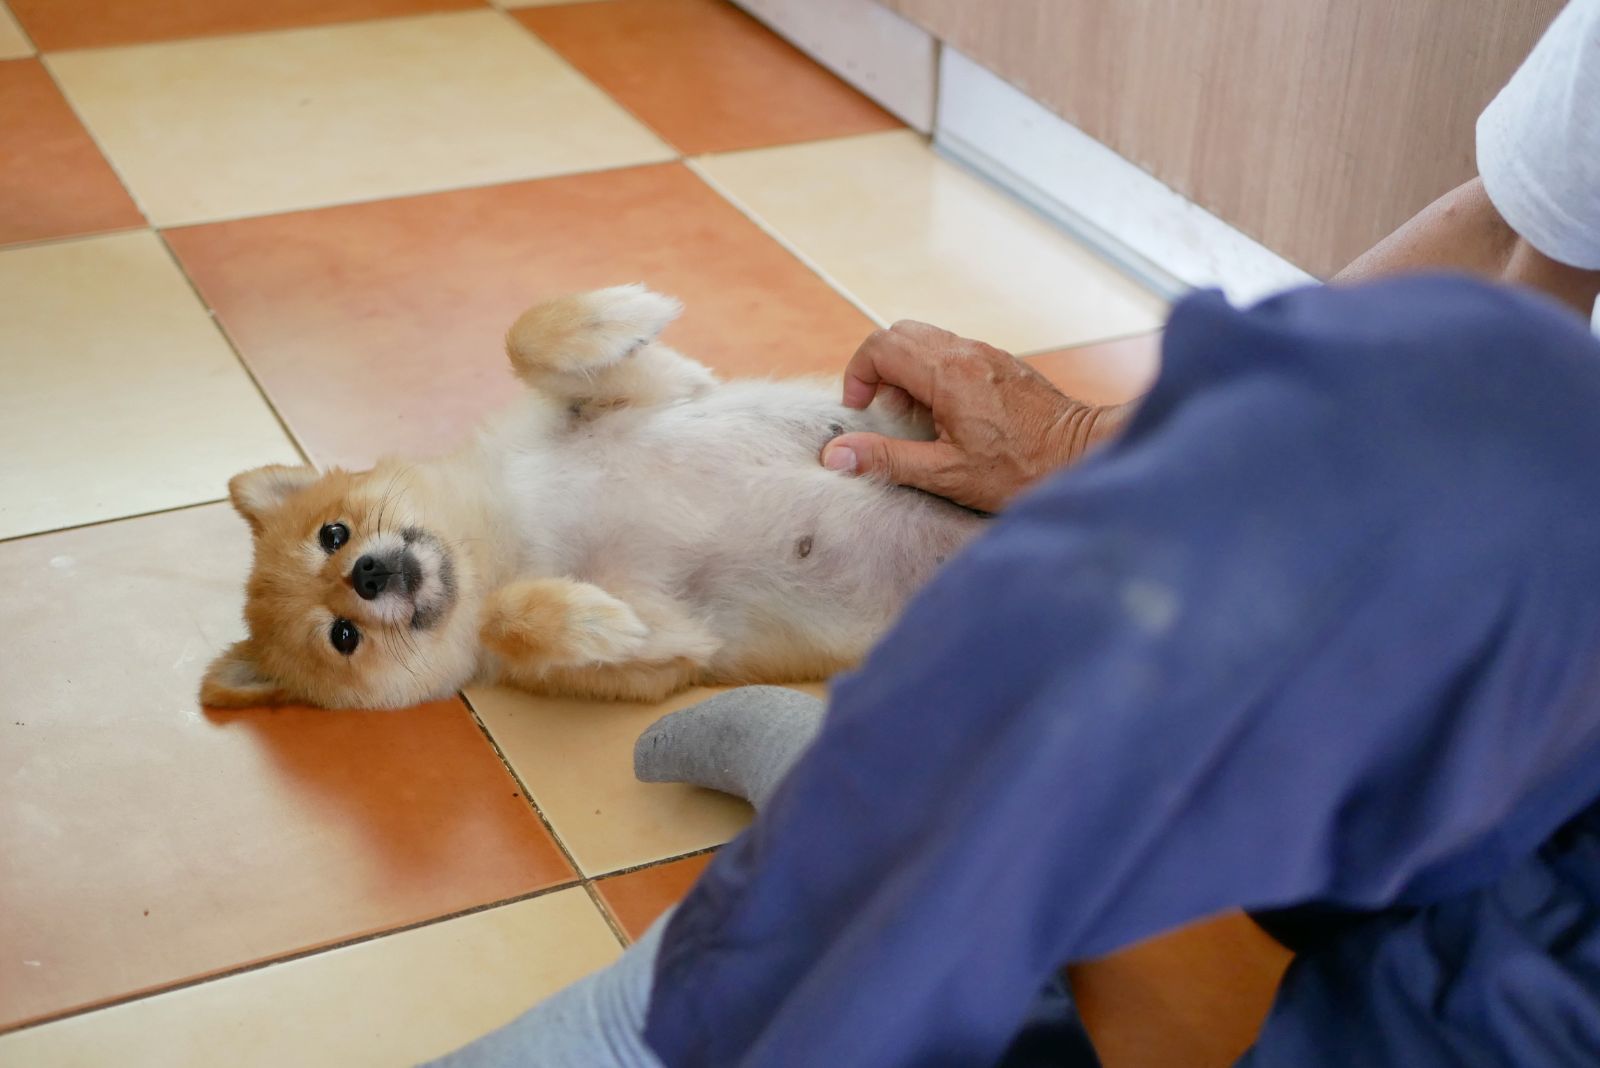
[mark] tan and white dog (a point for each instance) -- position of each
(632, 527)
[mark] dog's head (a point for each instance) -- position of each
(356, 599)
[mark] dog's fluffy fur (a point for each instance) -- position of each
(632, 527)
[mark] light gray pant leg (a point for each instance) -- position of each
(597, 1022)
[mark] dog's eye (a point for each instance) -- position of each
(344, 636)
(333, 536)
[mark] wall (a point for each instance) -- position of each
(1314, 126)
(889, 59)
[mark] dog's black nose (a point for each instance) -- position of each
(370, 576)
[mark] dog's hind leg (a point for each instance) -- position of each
(595, 351)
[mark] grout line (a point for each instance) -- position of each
(270, 31)
(289, 958)
(172, 257)
(767, 228)
(647, 865)
(510, 8)
(111, 519)
(527, 794)
(238, 354)
(580, 880)
(683, 154)
(586, 880)
(88, 131)
(510, 15)
(27, 37)
(605, 912)
(696, 164)
(673, 154)
(431, 191)
(62, 239)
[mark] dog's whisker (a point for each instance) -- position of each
(384, 501)
(398, 656)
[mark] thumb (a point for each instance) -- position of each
(923, 464)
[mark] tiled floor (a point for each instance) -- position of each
(246, 231)
(53, 180)
(14, 44)
(706, 76)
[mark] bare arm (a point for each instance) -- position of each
(1463, 231)
(1003, 427)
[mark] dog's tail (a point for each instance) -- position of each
(587, 330)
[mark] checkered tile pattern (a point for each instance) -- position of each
(249, 231)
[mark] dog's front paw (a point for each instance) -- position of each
(602, 629)
(557, 622)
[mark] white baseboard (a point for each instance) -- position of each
(888, 58)
(1131, 217)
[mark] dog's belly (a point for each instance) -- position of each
(721, 504)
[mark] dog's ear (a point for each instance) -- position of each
(234, 681)
(260, 491)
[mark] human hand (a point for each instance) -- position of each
(1001, 426)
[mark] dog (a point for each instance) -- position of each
(632, 527)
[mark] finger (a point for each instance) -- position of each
(917, 330)
(894, 401)
(926, 465)
(893, 357)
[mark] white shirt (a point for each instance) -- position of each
(1539, 141)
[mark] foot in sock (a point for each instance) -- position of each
(742, 742)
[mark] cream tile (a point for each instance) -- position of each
(911, 236)
(120, 394)
(14, 44)
(576, 758)
(257, 123)
(397, 1000)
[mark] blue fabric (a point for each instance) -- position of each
(1052, 1035)
(1323, 628)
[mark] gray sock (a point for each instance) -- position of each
(742, 742)
(597, 1022)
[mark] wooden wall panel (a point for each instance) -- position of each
(1315, 126)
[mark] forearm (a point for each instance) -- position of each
(1463, 231)
(1460, 231)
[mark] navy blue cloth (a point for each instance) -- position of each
(1053, 1034)
(1322, 629)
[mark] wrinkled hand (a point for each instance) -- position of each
(1001, 425)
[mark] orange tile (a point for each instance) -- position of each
(705, 75)
(1196, 996)
(147, 843)
(1107, 372)
(53, 180)
(638, 897)
(378, 327)
(56, 25)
